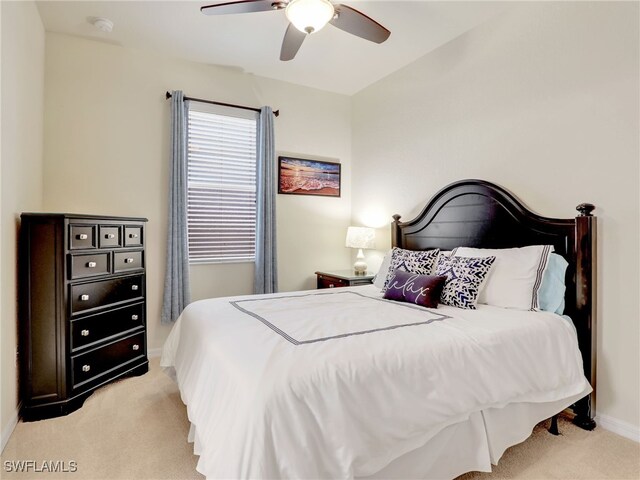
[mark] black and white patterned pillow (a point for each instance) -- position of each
(464, 279)
(420, 262)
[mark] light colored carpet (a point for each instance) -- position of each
(137, 429)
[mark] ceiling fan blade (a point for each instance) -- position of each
(357, 23)
(293, 39)
(242, 6)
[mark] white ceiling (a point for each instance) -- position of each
(329, 59)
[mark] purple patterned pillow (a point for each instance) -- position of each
(465, 276)
(420, 262)
(407, 287)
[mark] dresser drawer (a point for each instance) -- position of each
(109, 236)
(132, 236)
(100, 294)
(88, 366)
(331, 282)
(123, 261)
(88, 330)
(82, 236)
(355, 283)
(89, 265)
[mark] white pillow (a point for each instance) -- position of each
(381, 276)
(515, 277)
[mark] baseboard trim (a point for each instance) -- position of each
(154, 352)
(618, 427)
(10, 427)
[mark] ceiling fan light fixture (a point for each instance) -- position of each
(309, 16)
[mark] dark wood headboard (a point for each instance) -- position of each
(476, 213)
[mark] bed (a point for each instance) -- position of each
(346, 384)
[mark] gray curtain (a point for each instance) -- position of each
(266, 271)
(177, 293)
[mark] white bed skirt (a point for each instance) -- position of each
(472, 445)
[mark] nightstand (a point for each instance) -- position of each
(343, 278)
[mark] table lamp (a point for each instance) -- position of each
(360, 237)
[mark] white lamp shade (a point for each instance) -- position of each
(361, 237)
(309, 16)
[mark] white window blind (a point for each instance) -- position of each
(221, 191)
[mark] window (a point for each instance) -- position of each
(221, 183)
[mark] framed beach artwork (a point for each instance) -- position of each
(298, 176)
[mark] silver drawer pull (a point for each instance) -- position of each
(134, 317)
(134, 287)
(331, 285)
(83, 236)
(133, 235)
(136, 347)
(84, 333)
(128, 260)
(110, 235)
(84, 298)
(86, 368)
(92, 265)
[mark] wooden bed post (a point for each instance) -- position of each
(395, 232)
(586, 277)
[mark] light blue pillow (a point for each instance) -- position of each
(551, 292)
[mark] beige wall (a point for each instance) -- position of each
(107, 152)
(21, 157)
(544, 101)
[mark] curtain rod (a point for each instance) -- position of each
(276, 112)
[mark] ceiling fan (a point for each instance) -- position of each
(306, 17)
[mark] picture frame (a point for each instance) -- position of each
(300, 176)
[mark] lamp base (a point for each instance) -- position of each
(360, 267)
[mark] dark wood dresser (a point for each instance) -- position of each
(342, 278)
(82, 308)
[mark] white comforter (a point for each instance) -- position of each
(338, 383)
